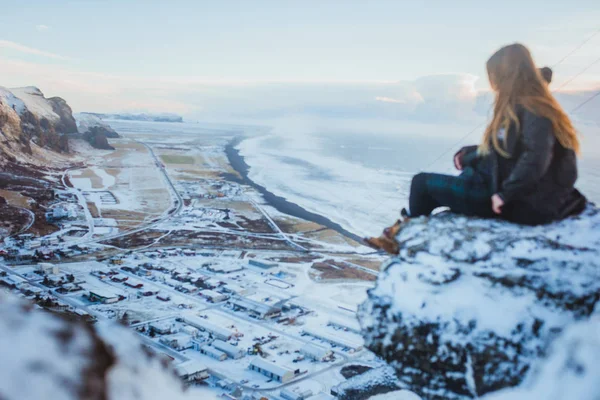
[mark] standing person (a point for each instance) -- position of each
(525, 168)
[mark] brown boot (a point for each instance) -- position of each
(383, 243)
(391, 231)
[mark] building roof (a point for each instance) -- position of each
(212, 351)
(226, 347)
(271, 367)
(226, 267)
(102, 293)
(211, 293)
(262, 264)
(336, 339)
(182, 338)
(190, 367)
(209, 326)
(315, 351)
(252, 305)
(351, 324)
(161, 325)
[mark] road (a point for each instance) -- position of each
(82, 202)
(276, 227)
(31, 221)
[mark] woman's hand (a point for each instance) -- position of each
(458, 160)
(497, 204)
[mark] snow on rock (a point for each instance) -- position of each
(571, 371)
(469, 305)
(95, 131)
(399, 395)
(36, 103)
(373, 382)
(46, 356)
(11, 100)
(86, 122)
(29, 119)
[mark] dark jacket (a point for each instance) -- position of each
(537, 181)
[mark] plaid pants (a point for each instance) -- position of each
(467, 194)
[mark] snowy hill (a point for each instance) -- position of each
(473, 306)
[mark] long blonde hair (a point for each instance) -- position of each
(516, 81)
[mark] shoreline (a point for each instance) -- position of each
(238, 163)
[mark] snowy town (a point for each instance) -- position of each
(239, 298)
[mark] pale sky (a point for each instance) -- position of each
(188, 56)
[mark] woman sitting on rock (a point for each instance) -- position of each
(525, 168)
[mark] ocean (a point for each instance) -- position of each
(357, 179)
(362, 180)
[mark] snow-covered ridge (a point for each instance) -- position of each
(471, 306)
(35, 102)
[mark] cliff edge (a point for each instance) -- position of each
(473, 306)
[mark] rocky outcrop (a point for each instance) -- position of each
(95, 131)
(96, 136)
(571, 371)
(41, 121)
(471, 306)
(67, 122)
(47, 356)
(364, 386)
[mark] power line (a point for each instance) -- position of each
(577, 75)
(563, 85)
(459, 141)
(586, 101)
(576, 48)
(579, 46)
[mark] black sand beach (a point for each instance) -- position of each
(279, 203)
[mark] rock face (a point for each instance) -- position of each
(470, 305)
(33, 118)
(46, 356)
(67, 122)
(571, 371)
(95, 131)
(368, 384)
(96, 136)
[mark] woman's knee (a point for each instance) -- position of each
(419, 180)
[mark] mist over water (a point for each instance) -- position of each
(362, 179)
(355, 176)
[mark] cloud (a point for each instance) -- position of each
(6, 44)
(389, 100)
(447, 99)
(42, 28)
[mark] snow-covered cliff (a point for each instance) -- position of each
(473, 306)
(28, 118)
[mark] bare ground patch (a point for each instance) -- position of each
(338, 270)
(15, 198)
